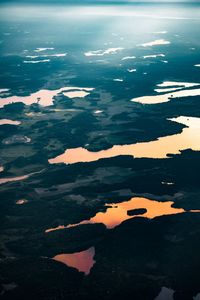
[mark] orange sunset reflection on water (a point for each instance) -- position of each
(189, 138)
(82, 261)
(116, 213)
(46, 97)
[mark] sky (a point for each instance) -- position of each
(95, 1)
(91, 1)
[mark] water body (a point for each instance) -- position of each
(11, 179)
(197, 297)
(177, 93)
(47, 55)
(189, 138)
(21, 201)
(132, 70)
(36, 61)
(116, 213)
(17, 178)
(82, 261)
(43, 49)
(153, 55)
(46, 97)
(156, 43)
(9, 122)
(165, 294)
(103, 52)
(128, 57)
(3, 91)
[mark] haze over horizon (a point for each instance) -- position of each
(100, 1)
